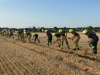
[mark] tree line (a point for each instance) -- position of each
(55, 29)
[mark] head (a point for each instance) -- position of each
(60, 30)
(24, 32)
(33, 34)
(46, 31)
(85, 31)
(53, 34)
(71, 30)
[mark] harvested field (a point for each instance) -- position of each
(17, 58)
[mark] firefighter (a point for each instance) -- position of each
(75, 38)
(49, 37)
(11, 33)
(36, 37)
(93, 40)
(27, 35)
(63, 38)
(21, 35)
(58, 40)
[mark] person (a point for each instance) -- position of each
(58, 40)
(75, 38)
(11, 31)
(93, 40)
(27, 35)
(17, 34)
(36, 37)
(4, 32)
(63, 38)
(49, 37)
(21, 35)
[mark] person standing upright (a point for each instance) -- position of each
(49, 37)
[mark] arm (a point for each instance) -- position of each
(32, 37)
(56, 41)
(72, 37)
(66, 34)
(90, 39)
(45, 36)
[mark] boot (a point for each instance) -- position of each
(94, 51)
(59, 45)
(74, 48)
(48, 44)
(62, 48)
(68, 47)
(77, 49)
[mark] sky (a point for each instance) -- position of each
(49, 13)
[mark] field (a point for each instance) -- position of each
(17, 58)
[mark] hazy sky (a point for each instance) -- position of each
(49, 13)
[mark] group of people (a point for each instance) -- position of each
(7, 32)
(61, 36)
(26, 34)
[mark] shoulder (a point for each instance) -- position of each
(74, 32)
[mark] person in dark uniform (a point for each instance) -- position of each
(11, 31)
(75, 38)
(49, 36)
(58, 40)
(63, 38)
(36, 37)
(93, 40)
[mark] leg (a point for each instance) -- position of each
(23, 38)
(35, 39)
(29, 38)
(76, 40)
(95, 48)
(93, 45)
(49, 41)
(38, 39)
(67, 43)
(62, 41)
(59, 42)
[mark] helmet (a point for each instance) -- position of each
(70, 30)
(33, 34)
(46, 30)
(25, 32)
(15, 31)
(60, 30)
(84, 31)
(53, 34)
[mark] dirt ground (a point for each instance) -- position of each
(17, 58)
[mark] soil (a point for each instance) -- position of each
(17, 58)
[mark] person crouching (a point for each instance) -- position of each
(36, 37)
(93, 39)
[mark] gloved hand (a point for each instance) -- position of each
(69, 38)
(72, 39)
